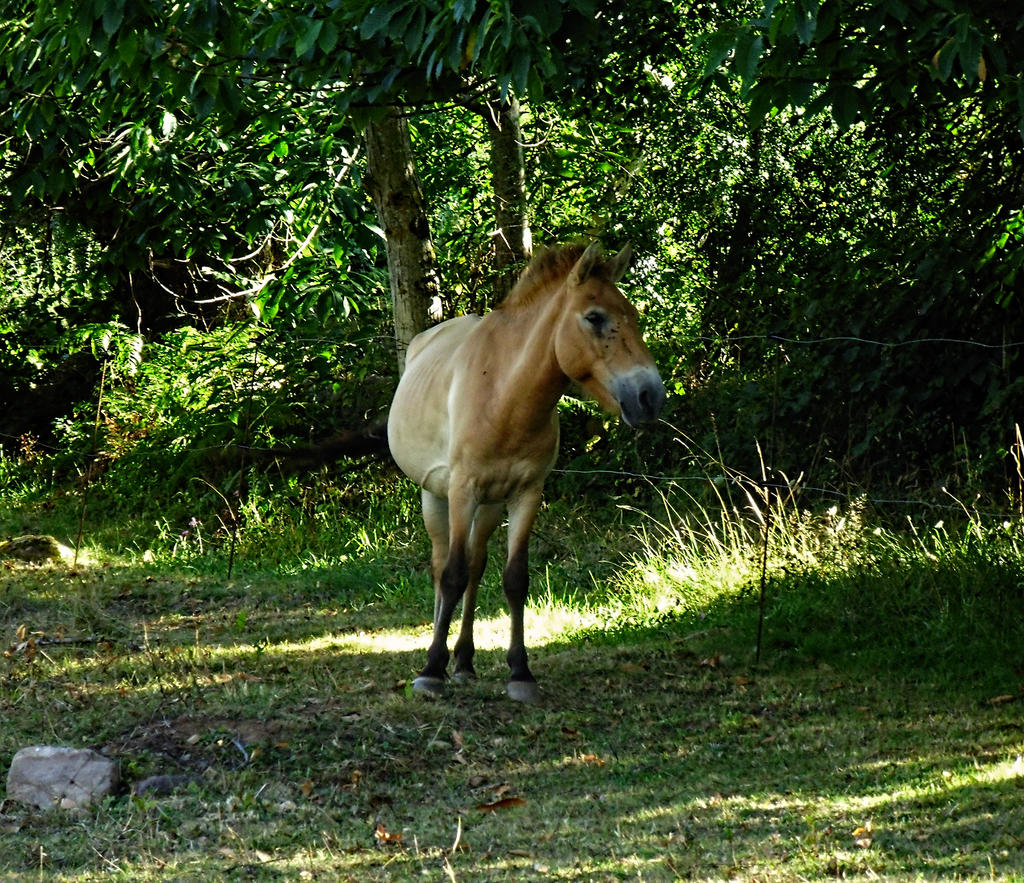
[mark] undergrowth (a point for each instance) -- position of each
(844, 585)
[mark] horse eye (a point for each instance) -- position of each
(596, 319)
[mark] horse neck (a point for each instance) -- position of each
(535, 381)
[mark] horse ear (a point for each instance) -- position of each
(585, 265)
(619, 264)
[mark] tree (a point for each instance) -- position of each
(512, 240)
(88, 142)
(398, 197)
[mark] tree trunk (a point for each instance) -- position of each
(398, 199)
(512, 242)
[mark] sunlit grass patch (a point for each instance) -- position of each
(861, 746)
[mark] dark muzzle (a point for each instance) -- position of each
(640, 394)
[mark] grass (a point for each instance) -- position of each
(881, 735)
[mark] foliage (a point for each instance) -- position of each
(779, 303)
(862, 60)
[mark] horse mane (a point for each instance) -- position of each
(548, 267)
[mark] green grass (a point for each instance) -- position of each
(880, 737)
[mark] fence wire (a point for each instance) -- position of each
(791, 489)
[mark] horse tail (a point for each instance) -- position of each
(370, 441)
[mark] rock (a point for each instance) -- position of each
(31, 549)
(49, 776)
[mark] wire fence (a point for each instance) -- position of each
(770, 483)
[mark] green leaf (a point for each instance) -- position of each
(414, 33)
(229, 97)
(328, 38)
(127, 47)
(378, 18)
(1020, 109)
(83, 26)
(805, 20)
(547, 16)
(113, 15)
(717, 48)
(943, 60)
(521, 69)
(761, 101)
(969, 53)
(845, 106)
(308, 38)
(745, 61)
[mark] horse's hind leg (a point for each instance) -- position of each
(435, 518)
(487, 519)
(450, 581)
(516, 581)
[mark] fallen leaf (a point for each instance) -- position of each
(384, 837)
(711, 661)
(862, 836)
(593, 759)
(570, 733)
(999, 700)
(306, 788)
(504, 803)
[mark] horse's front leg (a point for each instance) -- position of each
(486, 520)
(448, 590)
(522, 510)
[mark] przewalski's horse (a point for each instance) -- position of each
(473, 423)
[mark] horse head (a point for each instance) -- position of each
(598, 342)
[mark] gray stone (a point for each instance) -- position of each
(49, 776)
(33, 549)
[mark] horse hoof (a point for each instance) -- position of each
(465, 676)
(523, 691)
(429, 688)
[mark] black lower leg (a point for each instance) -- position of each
(464, 651)
(519, 670)
(516, 584)
(453, 584)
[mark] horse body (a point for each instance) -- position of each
(474, 423)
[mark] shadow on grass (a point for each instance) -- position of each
(658, 749)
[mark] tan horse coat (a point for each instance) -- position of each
(474, 423)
